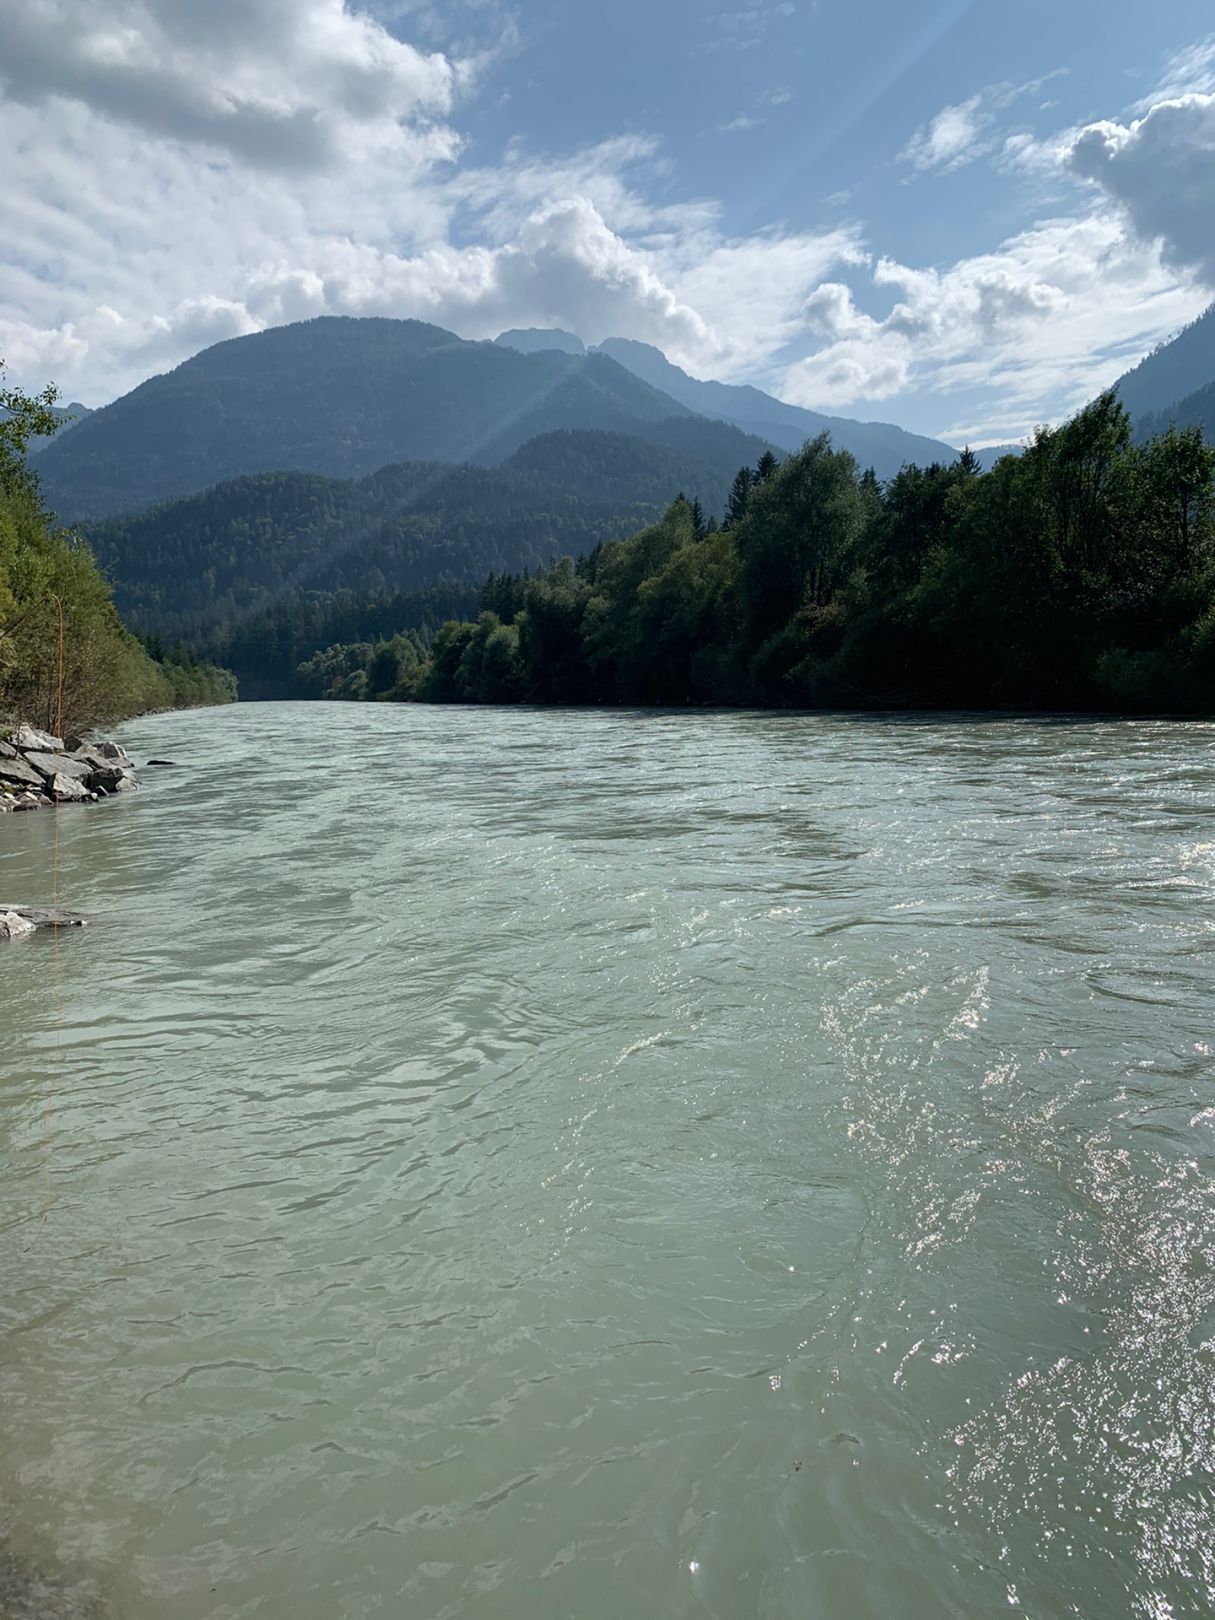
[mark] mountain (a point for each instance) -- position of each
(252, 543)
(1195, 410)
(66, 415)
(340, 397)
(538, 339)
(1172, 372)
(879, 445)
(996, 452)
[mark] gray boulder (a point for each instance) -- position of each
(14, 926)
(88, 754)
(111, 750)
(26, 737)
(58, 765)
(111, 778)
(43, 916)
(65, 789)
(16, 770)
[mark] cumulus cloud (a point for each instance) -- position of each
(289, 84)
(1057, 312)
(179, 173)
(1160, 170)
(228, 249)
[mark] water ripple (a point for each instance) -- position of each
(700, 1164)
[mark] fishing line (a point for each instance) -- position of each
(48, 1110)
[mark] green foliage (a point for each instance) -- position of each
(97, 672)
(267, 650)
(1079, 575)
(207, 566)
(381, 671)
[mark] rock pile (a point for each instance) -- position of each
(38, 770)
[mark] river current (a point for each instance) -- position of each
(498, 1164)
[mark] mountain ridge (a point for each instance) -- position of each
(881, 445)
(342, 396)
(1173, 371)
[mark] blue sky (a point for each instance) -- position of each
(962, 217)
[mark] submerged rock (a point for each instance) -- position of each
(43, 916)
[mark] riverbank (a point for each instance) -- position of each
(39, 771)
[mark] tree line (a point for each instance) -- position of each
(1080, 574)
(65, 656)
(200, 566)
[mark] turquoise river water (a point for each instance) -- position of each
(622, 1166)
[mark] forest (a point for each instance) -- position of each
(65, 657)
(1078, 575)
(253, 545)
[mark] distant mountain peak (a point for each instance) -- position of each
(880, 445)
(540, 339)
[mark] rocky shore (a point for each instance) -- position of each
(38, 770)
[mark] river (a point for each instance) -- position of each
(490, 1163)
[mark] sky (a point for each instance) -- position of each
(963, 216)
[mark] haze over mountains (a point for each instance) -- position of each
(879, 445)
(344, 397)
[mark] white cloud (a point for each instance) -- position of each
(960, 134)
(157, 254)
(744, 121)
(743, 29)
(285, 84)
(1160, 170)
(279, 159)
(752, 292)
(1056, 313)
(950, 139)
(1190, 72)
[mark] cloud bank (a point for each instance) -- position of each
(179, 174)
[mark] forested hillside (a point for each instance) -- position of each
(264, 650)
(1078, 575)
(65, 657)
(339, 398)
(256, 543)
(1197, 410)
(1172, 372)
